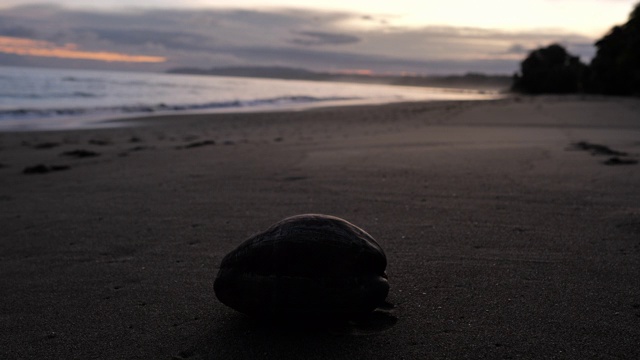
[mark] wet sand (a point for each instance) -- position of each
(509, 229)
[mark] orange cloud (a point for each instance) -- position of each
(30, 47)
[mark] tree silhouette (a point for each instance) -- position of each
(550, 70)
(615, 69)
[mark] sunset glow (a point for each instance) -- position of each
(354, 72)
(40, 48)
(347, 36)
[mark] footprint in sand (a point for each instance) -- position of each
(44, 169)
(80, 153)
(46, 145)
(99, 142)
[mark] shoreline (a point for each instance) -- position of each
(26, 119)
(134, 120)
(504, 238)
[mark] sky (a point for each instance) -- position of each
(394, 37)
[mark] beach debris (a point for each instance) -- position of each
(305, 266)
(295, 178)
(80, 153)
(43, 169)
(617, 157)
(597, 149)
(197, 144)
(620, 161)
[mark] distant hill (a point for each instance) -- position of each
(467, 81)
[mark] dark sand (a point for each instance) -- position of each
(504, 238)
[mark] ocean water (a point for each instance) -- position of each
(54, 99)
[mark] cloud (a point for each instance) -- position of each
(154, 38)
(316, 38)
(298, 38)
(517, 49)
(15, 30)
